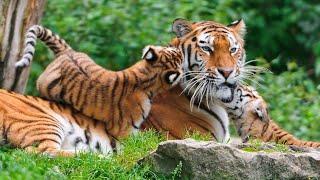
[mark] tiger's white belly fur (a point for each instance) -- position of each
(78, 139)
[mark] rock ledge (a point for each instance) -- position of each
(210, 160)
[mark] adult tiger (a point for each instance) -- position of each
(214, 61)
(214, 58)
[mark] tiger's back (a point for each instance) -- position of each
(48, 83)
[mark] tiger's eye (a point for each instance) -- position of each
(206, 48)
(233, 50)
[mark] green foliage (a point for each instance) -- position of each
(17, 164)
(176, 174)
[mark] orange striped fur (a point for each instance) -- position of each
(121, 99)
(47, 127)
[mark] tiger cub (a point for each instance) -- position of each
(121, 99)
(41, 126)
(249, 112)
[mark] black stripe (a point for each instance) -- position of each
(41, 133)
(116, 82)
(85, 98)
(104, 92)
(77, 141)
(137, 83)
(73, 111)
(4, 131)
(142, 110)
(52, 84)
(98, 146)
(132, 122)
(79, 94)
(33, 32)
(143, 71)
(46, 37)
(87, 135)
(32, 43)
(120, 99)
(189, 56)
(31, 105)
(149, 80)
(40, 31)
(203, 107)
(114, 145)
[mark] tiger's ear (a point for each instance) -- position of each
(261, 110)
(181, 27)
(239, 27)
(149, 54)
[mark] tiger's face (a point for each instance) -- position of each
(166, 62)
(213, 55)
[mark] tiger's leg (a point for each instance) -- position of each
(46, 139)
(50, 148)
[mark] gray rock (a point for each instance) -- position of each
(211, 160)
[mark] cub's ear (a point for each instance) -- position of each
(181, 27)
(172, 76)
(239, 27)
(149, 54)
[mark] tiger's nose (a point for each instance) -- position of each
(225, 72)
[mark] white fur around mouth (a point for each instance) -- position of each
(224, 93)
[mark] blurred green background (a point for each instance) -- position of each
(283, 35)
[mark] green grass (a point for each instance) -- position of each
(196, 135)
(259, 146)
(17, 164)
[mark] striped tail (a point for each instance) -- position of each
(54, 42)
(278, 135)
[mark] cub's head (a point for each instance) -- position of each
(166, 65)
(213, 56)
(254, 120)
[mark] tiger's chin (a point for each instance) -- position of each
(225, 92)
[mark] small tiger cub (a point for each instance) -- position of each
(249, 112)
(121, 99)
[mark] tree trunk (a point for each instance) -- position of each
(16, 16)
